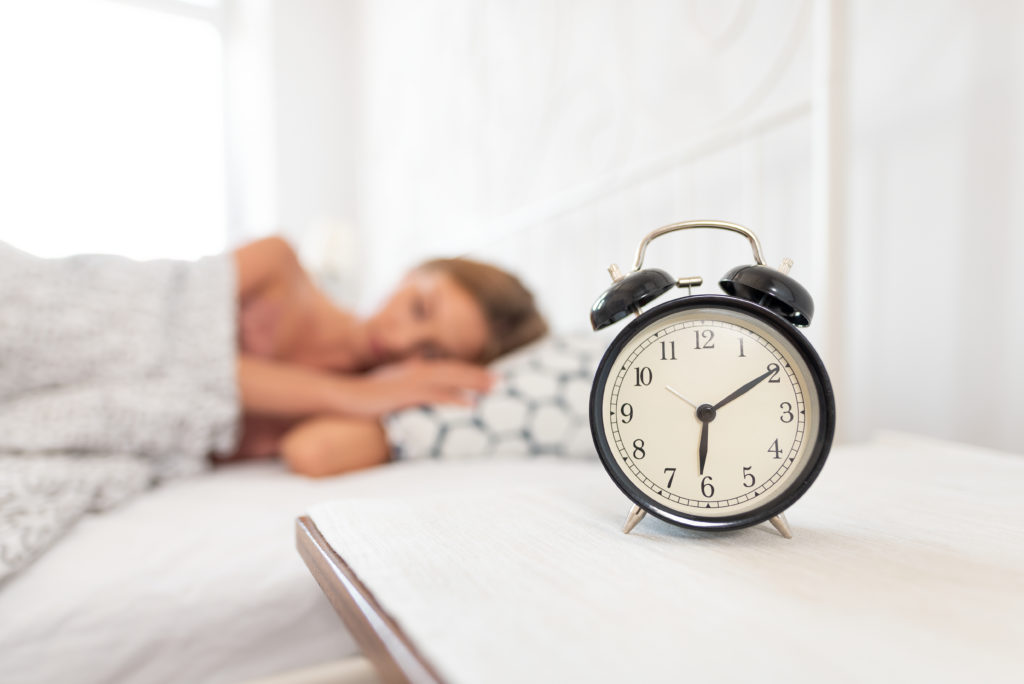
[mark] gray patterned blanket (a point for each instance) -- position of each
(114, 375)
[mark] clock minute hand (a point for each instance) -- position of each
(742, 390)
(702, 451)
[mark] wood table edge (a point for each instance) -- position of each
(376, 632)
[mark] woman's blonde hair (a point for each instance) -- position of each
(511, 313)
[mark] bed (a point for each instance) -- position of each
(197, 580)
(194, 581)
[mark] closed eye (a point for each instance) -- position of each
(419, 308)
(433, 351)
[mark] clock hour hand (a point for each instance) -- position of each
(743, 390)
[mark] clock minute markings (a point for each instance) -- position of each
(667, 351)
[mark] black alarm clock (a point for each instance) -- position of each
(710, 411)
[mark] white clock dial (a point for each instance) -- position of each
(710, 412)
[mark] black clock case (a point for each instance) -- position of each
(819, 450)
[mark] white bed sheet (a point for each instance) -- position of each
(196, 581)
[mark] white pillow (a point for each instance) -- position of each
(539, 407)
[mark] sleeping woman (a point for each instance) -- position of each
(155, 365)
(314, 380)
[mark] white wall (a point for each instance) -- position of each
(878, 145)
(526, 130)
(488, 127)
(934, 225)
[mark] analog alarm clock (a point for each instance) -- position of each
(710, 411)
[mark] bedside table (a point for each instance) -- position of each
(515, 571)
(383, 643)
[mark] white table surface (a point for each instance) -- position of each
(907, 564)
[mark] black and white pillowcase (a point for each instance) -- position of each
(539, 407)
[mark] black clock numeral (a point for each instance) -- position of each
(774, 449)
(703, 339)
(638, 449)
(787, 412)
(671, 477)
(643, 376)
(706, 488)
(627, 412)
(671, 349)
(774, 368)
(742, 355)
(747, 474)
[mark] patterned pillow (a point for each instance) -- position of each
(538, 407)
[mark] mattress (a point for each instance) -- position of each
(196, 581)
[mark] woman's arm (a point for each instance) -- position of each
(288, 390)
(328, 446)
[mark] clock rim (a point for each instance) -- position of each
(819, 450)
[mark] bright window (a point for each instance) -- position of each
(111, 128)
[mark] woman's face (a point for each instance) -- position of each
(429, 316)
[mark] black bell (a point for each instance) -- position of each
(629, 294)
(771, 289)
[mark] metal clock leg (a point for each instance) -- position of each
(779, 522)
(636, 514)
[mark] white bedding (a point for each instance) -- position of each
(197, 581)
(114, 374)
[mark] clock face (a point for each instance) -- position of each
(712, 411)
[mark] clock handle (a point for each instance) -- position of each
(684, 225)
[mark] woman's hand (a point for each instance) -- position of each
(415, 382)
